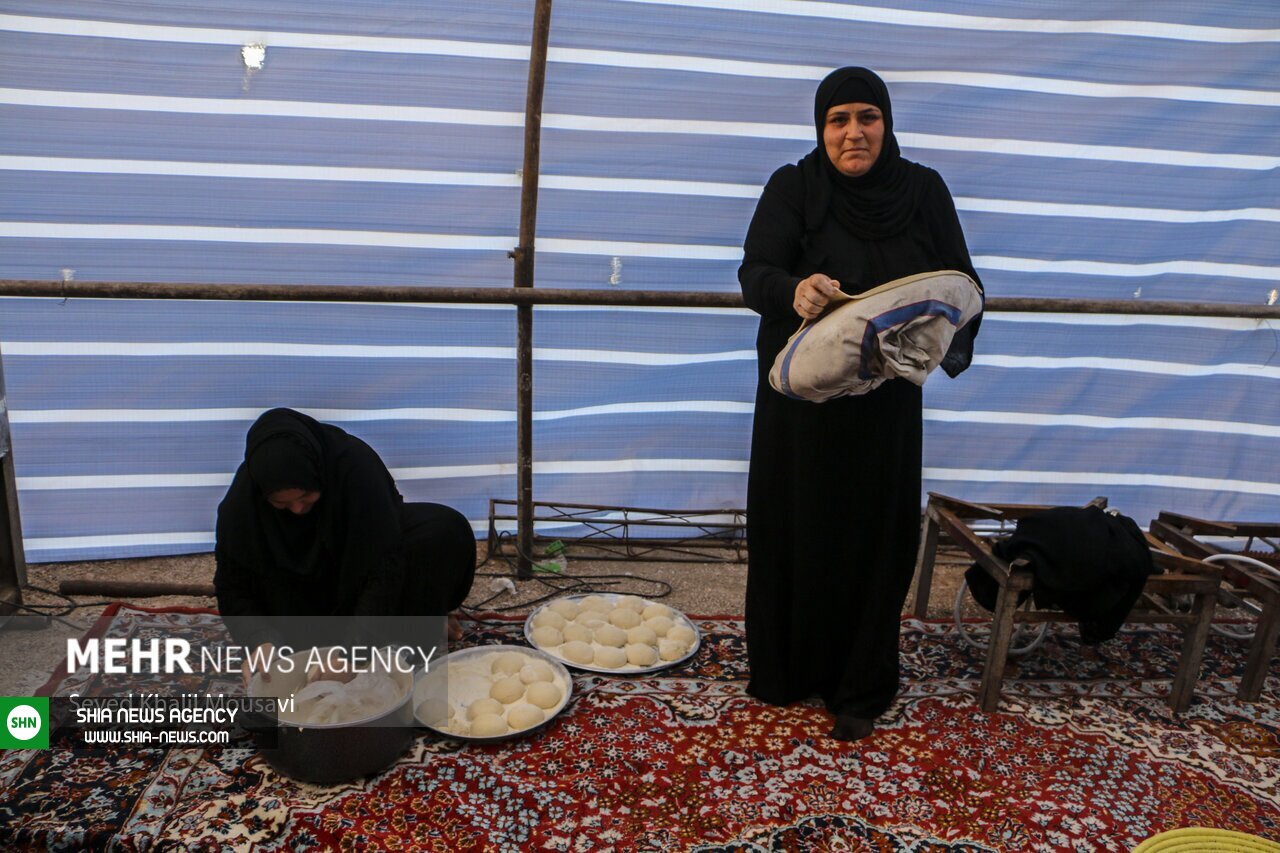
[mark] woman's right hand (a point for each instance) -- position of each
(262, 654)
(813, 294)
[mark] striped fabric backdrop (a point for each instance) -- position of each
(1115, 150)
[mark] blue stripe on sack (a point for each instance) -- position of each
(896, 317)
(785, 372)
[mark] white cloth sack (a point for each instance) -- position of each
(901, 328)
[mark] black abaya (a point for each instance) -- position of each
(361, 551)
(833, 495)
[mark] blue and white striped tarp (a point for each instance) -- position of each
(1111, 150)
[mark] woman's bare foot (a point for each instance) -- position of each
(455, 628)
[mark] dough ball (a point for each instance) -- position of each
(574, 632)
(536, 671)
(595, 602)
(480, 707)
(641, 654)
(566, 608)
(507, 663)
(544, 694)
(653, 611)
(610, 658)
(546, 637)
(624, 617)
(488, 725)
(671, 650)
(611, 635)
(507, 690)
(660, 625)
(425, 707)
(575, 651)
(524, 716)
(549, 619)
(591, 619)
(631, 602)
(682, 634)
(642, 634)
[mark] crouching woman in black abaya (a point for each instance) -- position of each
(313, 525)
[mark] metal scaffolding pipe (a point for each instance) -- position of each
(524, 257)
(568, 296)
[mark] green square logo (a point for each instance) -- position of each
(24, 722)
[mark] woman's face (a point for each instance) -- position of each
(853, 135)
(296, 501)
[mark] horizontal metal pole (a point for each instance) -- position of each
(565, 296)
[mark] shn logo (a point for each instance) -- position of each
(26, 722)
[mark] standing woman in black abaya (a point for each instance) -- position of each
(833, 494)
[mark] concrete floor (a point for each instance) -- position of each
(700, 589)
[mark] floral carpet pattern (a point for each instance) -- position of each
(1083, 755)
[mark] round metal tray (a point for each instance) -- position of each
(630, 668)
(562, 677)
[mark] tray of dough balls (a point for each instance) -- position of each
(494, 693)
(613, 634)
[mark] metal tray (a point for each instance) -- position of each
(562, 677)
(630, 668)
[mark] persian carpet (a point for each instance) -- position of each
(1084, 755)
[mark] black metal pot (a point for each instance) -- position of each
(329, 754)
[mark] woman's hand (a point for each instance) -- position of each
(813, 294)
(261, 654)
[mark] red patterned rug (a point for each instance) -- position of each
(1081, 757)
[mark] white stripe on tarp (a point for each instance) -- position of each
(220, 234)
(460, 415)
(1109, 211)
(1225, 324)
(1098, 422)
(275, 350)
(1076, 151)
(1101, 478)
(616, 59)
(120, 540)
(1133, 365)
(259, 171)
(271, 38)
(708, 189)
(711, 189)
(607, 466)
(953, 21)
(717, 466)
(207, 537)
(559, 245)
(381, 239)
(257, 348)
(624, 124)
(434, 472)
(1125, 270)
(123, 481)
(260, 107)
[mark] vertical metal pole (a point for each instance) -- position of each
(13, 562)
(523, 255)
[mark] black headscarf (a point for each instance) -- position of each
(284, 450)
(873, 206)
